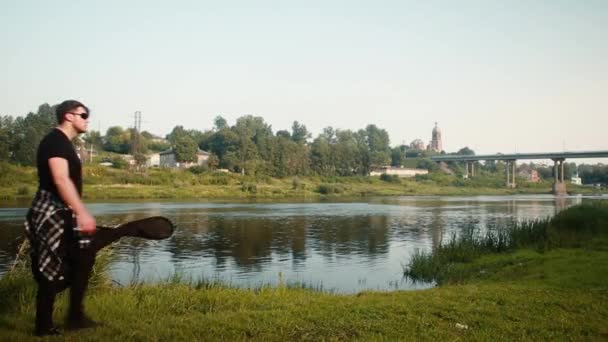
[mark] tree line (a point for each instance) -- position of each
(250, 146)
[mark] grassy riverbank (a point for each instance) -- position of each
(463, 257)
(559, 292)
(107, 183)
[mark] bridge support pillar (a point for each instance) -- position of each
(510, 173)
(470, 168)
(559, 186)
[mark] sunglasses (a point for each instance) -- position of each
(84, 116)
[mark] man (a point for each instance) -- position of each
(63, 235)
(58, 224)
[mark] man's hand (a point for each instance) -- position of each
(86, 222)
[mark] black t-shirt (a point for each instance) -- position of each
(57, 144)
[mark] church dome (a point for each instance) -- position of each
(436, 129)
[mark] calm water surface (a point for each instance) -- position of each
(340, 245)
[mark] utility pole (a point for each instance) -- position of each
(136, 129)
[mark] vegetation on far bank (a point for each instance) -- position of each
(100, 182)
(558, 292)
(263, 163)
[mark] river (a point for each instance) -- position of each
(339, 245)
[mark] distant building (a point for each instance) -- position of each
(398, 171)
(129, 159)
(530, 175)
(167, 159)
(417, 144)
(436, 144)
(85, 155)
(153, 160)
(576, 180)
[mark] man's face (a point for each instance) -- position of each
(78, 119)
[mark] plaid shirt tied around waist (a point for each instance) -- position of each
(45, 228)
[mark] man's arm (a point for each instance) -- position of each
(67, 190)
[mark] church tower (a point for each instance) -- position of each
(436, 144)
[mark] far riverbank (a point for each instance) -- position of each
(19, 183)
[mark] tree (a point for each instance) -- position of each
(138, 144)
(347, 156)
(220, 123)
(147, 135)
(213, 161)
(221, 143)
(6, 132)
(329, 133)
(299, 133)
(25, 153)
(28, 131)
(93, 138)
(427, 164)
(321, 160)
(252, 150)
(378, 145)
(176, 133)
(465, 151)
(289, 158)
(398, 155)
(157, 145)
(490, 165)
(284, 134)
(117, 140)
(185, 149)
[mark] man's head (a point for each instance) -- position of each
(74, 112)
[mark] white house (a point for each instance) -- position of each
(167, 159)
(398, 171)
(576, 180)
(153, 160)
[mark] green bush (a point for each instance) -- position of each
(218, 178)
(251, 188)
(198, 169)
(11, 175)
(119, 163)
(328, 189)
(390, 178)
(297, 184)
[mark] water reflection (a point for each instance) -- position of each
(345, 246)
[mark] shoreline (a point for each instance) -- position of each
(278, 191)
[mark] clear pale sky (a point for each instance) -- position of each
(498, 76)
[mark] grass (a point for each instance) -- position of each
(555, 293)
(516, 309)
(582, 226)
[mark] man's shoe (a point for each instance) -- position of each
(80, 323)
(47, 332)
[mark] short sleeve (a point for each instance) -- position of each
(56, 147)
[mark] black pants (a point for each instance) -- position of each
(79, 262)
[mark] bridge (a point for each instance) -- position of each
(559, 186)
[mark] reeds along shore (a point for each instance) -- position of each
(543, 280)
(575, 227)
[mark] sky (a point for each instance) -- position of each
(497, 76)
